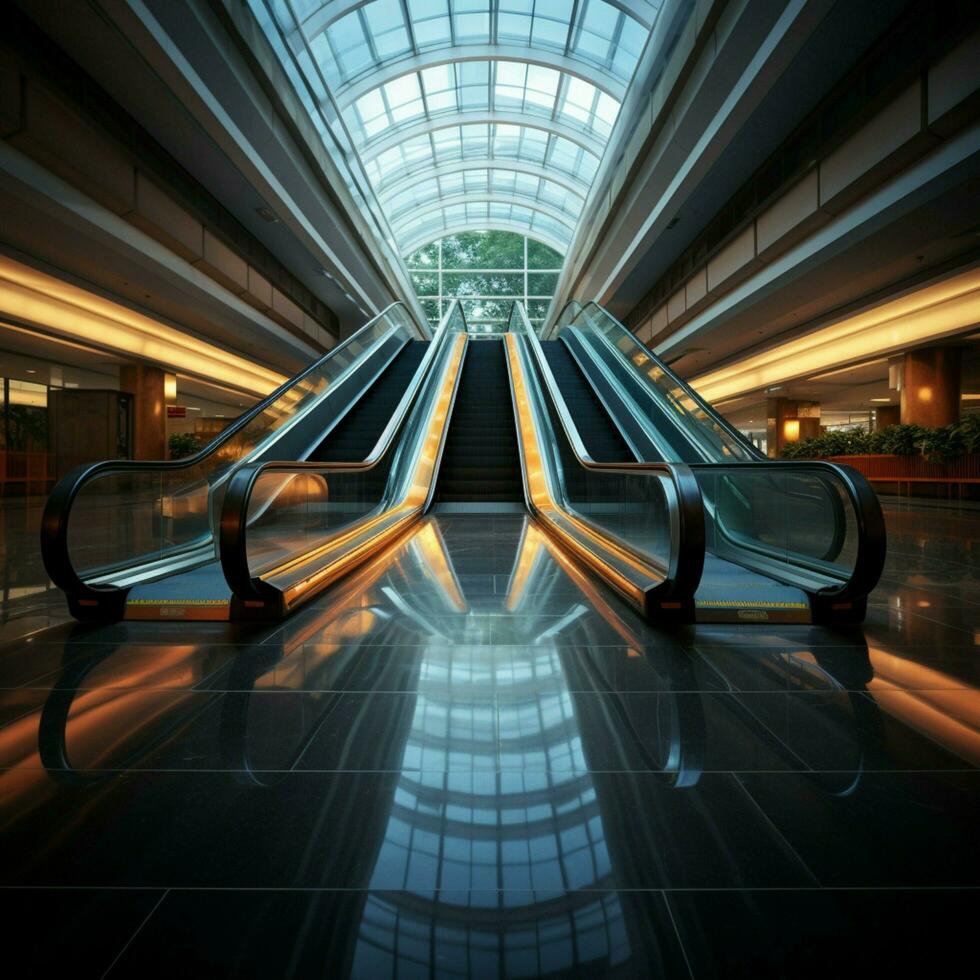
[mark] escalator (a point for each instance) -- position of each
(136, 540)
(359, 430)
(626, 469)
(785, 541)
(602, 437)
(480, 463)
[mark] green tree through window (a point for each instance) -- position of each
(489, 270)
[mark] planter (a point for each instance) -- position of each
(962, 469)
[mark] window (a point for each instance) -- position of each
(489, 270)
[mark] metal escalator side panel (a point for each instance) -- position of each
(109, 525)
(662, 587)
(275, 588)
(812, 525)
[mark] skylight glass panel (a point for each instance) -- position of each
(343, 50)
(474, 84)
(430, 22)
(471, 21)
(551, 24)
(387, 28)
(514, 22)
(597, 31)
(629, 47)
(330, 48)
(404, 97)
(439, 84)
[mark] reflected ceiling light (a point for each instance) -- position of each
(939, 310)
(35, 298)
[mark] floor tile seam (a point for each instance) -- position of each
(652, 890)
(767, 820)
(137, 931)
(677, 933)
(966, 631)
(917, 554)
(463, 695)
(500, 770)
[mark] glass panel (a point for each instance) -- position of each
(487, 309)
(426, 283)
(127, 516)
(687, 417)
(540, 256)
(293, 512)
(797, 513)
(424, 257)
(542, 283)
(634, 507)
(483, 250)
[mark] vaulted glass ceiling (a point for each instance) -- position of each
(466, 114)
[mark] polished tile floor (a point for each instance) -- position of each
(470, 760)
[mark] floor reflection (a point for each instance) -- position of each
(499, 875)
(470, 759)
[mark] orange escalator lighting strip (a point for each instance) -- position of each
(433, 550)
(543, 502)
(406, 510)
(527, 558)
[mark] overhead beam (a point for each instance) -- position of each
(577, 187)
(346, 95)
(424, 127)
(415, 215)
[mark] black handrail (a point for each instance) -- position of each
(686, 563)
(233, 523)
(57, 509)
(687, 390)
(871, 535)
(867, 509)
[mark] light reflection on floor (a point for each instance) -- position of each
(480, 762)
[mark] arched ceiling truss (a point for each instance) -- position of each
(468, 114)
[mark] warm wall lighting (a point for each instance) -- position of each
(924, 393)
(881, 400)
(791, 430)
(66, 310)
(940, 310)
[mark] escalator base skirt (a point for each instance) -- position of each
(200, 610)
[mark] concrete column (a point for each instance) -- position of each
(147, 385)
(931, 386)
(886, 415)
(788, 420)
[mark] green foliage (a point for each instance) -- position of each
(542, 283)
(946, 442)
(426, 283)
(970, 430)
(483, 283)
(483, 250)
(426, 257)
(183, 444)
(541, 257)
